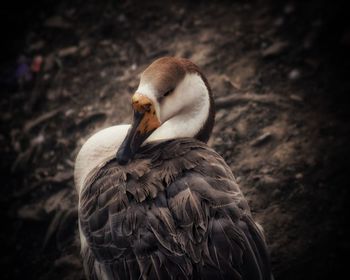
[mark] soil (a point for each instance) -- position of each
(279, 75)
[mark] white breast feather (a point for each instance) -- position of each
(97, 150)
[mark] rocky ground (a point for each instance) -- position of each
(278, 73)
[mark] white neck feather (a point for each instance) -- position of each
(185, 111)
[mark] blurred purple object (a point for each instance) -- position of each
(23, 73)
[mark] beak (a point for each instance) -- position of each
(144, 123)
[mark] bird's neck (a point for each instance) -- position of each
(192, 118)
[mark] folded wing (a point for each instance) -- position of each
(175, 212)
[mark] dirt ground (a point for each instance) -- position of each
(279, 75)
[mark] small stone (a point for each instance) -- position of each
(261, 140)
(46, 77)
(279, 21)
(294, 74)
(38, 140)
(275, 49)
(121, 18)
(67, 51)
(69, 112)
(295, 97)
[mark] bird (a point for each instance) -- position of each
(155, 201)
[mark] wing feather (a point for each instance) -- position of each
(175, 212)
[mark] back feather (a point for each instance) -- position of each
(174, 212)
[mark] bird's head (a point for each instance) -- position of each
(173, 100)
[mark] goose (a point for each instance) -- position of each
(155, 202)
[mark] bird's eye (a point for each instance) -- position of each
(167, 93)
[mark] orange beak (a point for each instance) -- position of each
(143, 105)
(144, 123)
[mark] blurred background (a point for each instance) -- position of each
(279, 71)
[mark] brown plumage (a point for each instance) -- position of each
(172, 211)
(176, 212)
